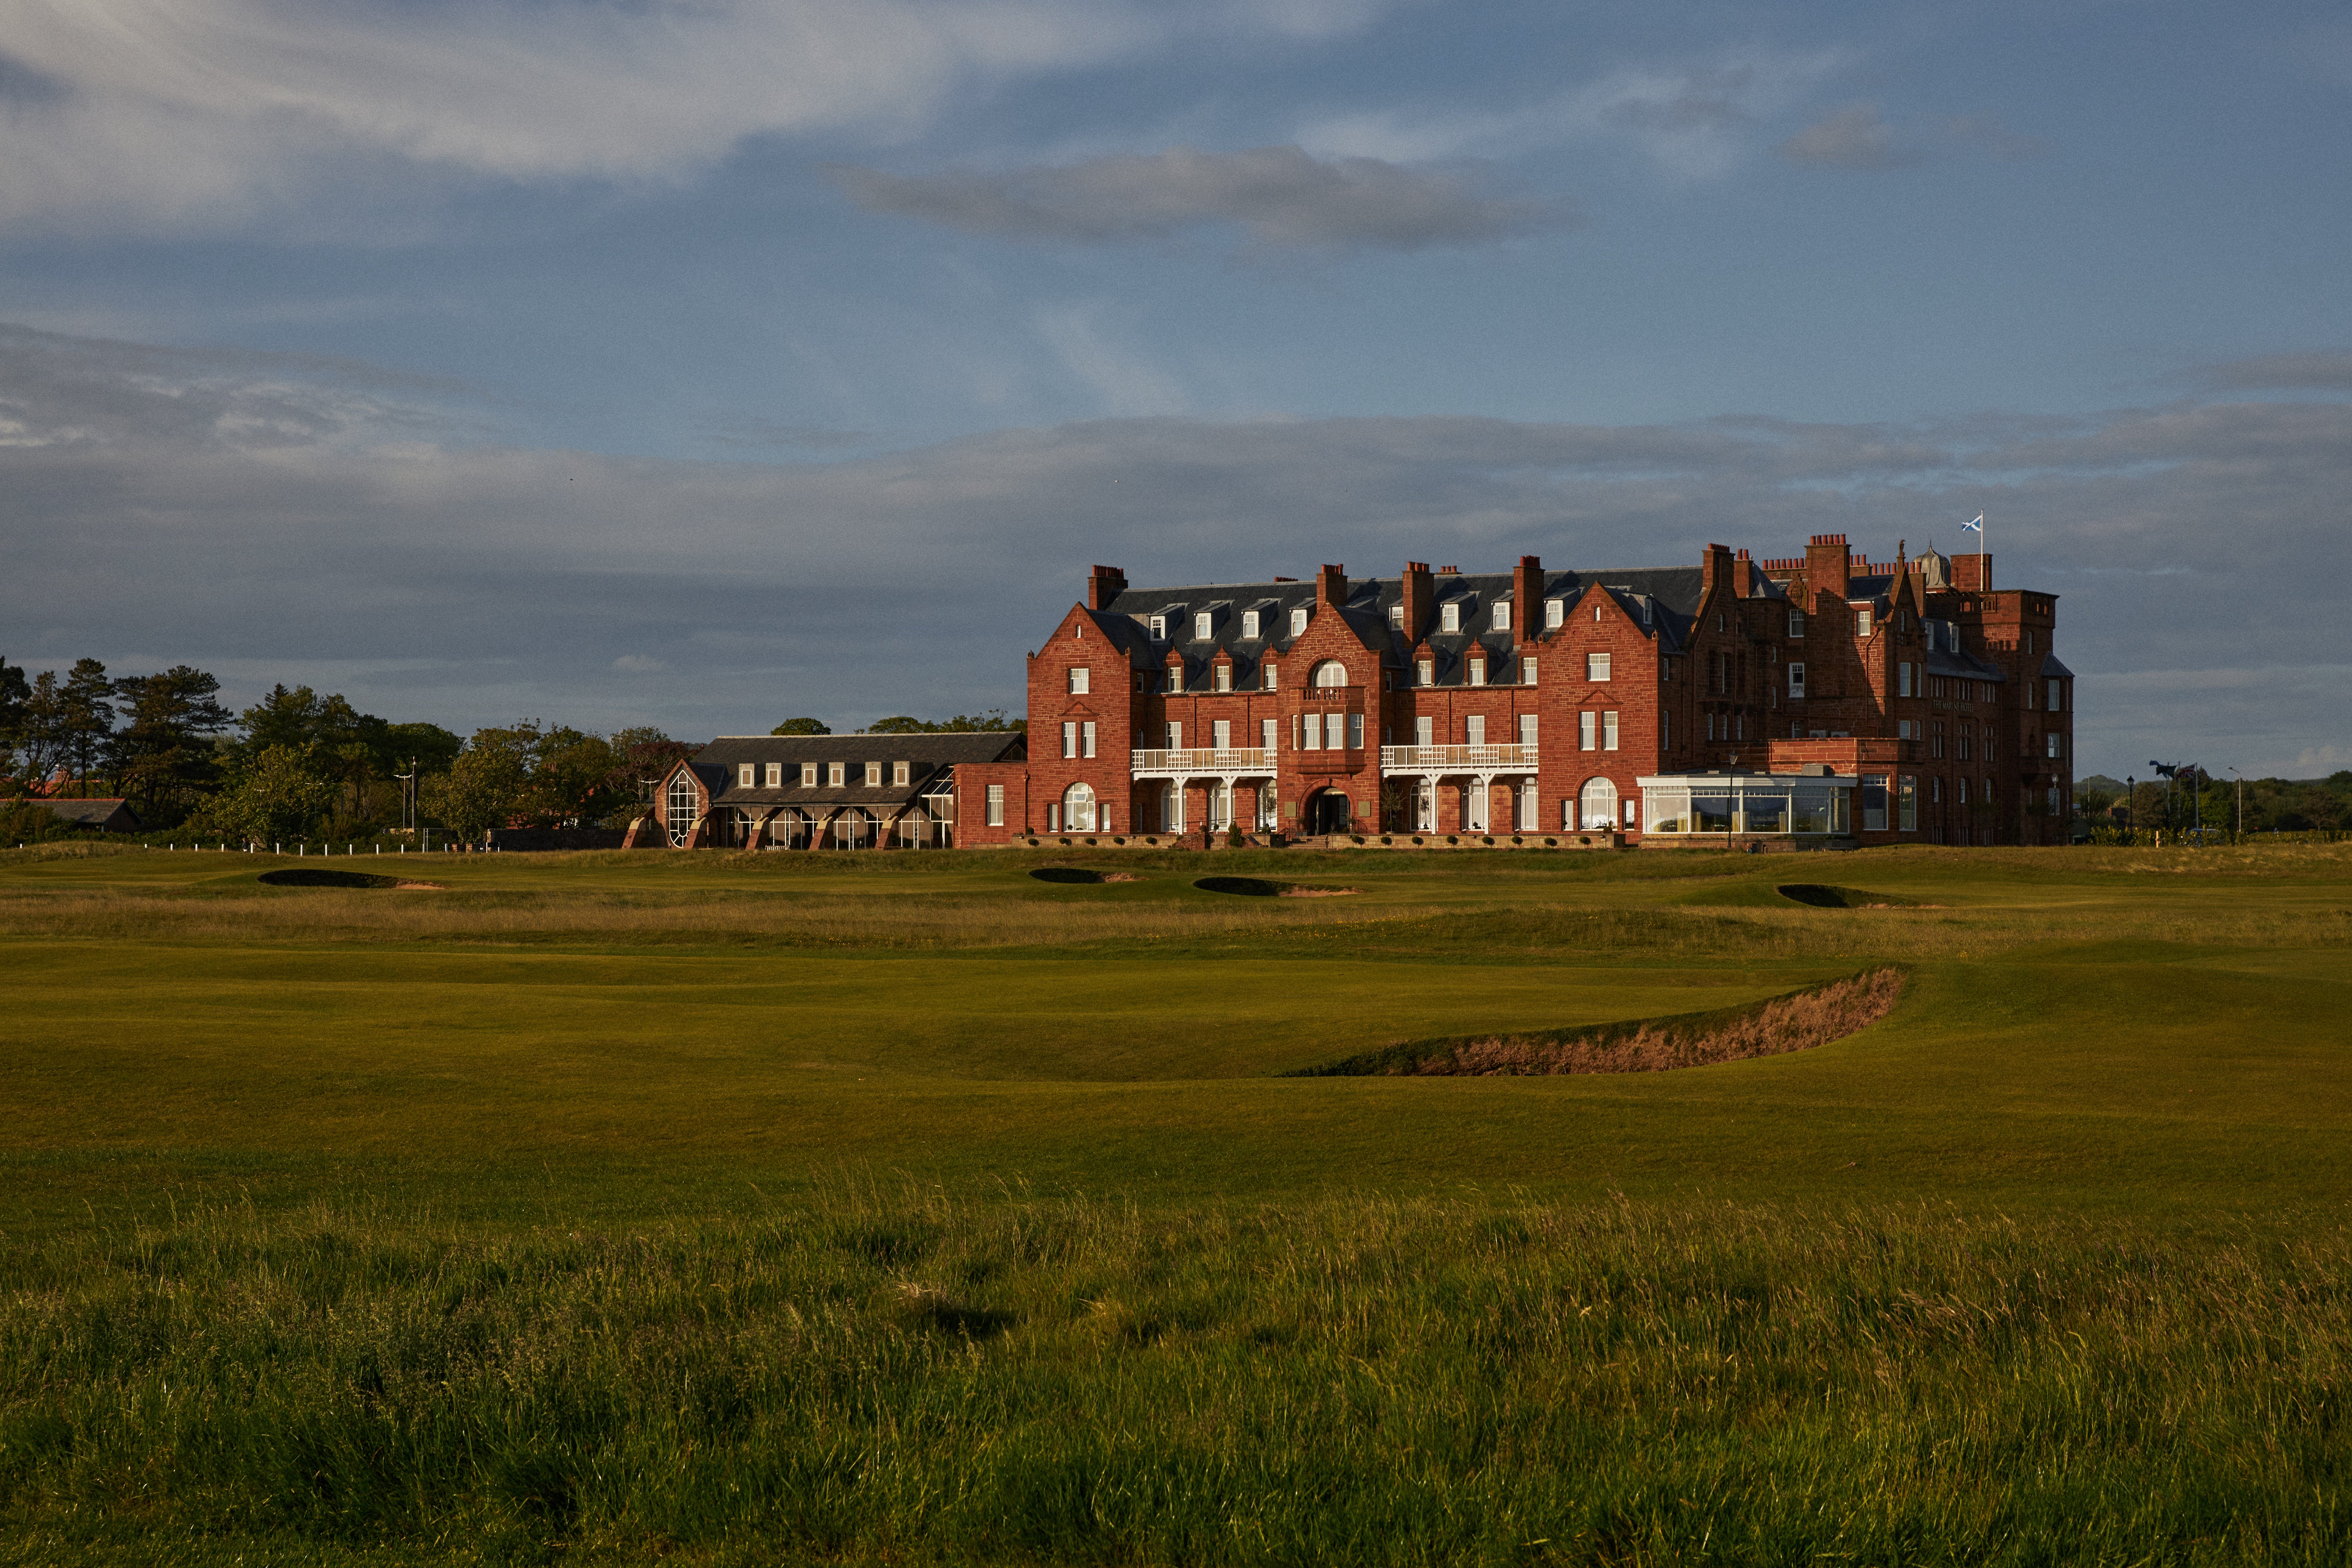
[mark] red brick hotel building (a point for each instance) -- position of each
(1818, 701)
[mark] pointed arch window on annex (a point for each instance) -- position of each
(1330, 673)
(681, 814)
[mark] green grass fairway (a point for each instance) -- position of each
(2121, 1030)
(916, 1209)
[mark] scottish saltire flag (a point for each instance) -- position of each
(1976, 527)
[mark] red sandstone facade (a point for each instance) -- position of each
(1440, 706)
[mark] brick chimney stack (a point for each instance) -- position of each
(1104, 584)
(1715, 567)
(1331, 587)
(1829, 565)
(1747, 583)
(1527, 595)
(1420, 599)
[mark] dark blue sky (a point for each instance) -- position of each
(700, 364)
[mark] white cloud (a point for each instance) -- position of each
(1126, 382)
(201, 112)
(1694, 121)
(1855, 137)
(1277, 195)
(2315, 759)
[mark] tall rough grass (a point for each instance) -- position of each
(906, 1378)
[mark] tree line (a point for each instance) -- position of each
(2271, 804)
(297, 764)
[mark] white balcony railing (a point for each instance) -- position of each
(1456, 759)
(1205, 760)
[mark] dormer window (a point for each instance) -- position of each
(1249, 622)
(1298, 621)
(1159, 629)
(874, 776)
(900, 772)
(1425, 672)
(775, 775)
(1265, 676)
(1502, 617)
(836, 774)
(1477, 672)
(1555, 614)
(1396, 617)
(1175, 677)
(1225, 677)
(1449, 616)
(1527, 672)
(744, 775)
(808, 775)
(1204, 626)
(1862, 620)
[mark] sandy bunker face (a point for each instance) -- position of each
(1259, 887)
(320, 877)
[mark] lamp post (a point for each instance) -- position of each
(2131, 805)
(2240, 831)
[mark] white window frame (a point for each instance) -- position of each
(1526, 728)
(1797, 678)
(1555, 614)
(747, 775)
(1159, 629)
(808, 775)
(1081, 679)
(1527, 671)
(1596, 666)
(1796, 622)
(874, 776)
(1477, 670)
(1449, 615)
(1069, 737)
(995, 805)
(1588, 731)
(1474, 730)
(1609, 730)
(1221, 735)
(901, 772)
(1086, 739)
(1225, 677)
(1314, 730)
(1249, 625)
(1502, 615)
(1175, 680)
(775, 775)
(1425, 672)
(1265, 676)
(1862, 620)
(1396, 617)
(1269, 733)
(1205, 624)
(1298, 621)
(1355, 731)
(836, 774)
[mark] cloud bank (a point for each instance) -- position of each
(200, 114)
(1277, 195)
(263, 520)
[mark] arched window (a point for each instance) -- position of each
(683, 799)
(1330, 672)
(1079, 808)
(1597, 803)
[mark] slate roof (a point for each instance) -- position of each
(2051, 668)
(113, 815)
(933, 758)
(1670, 593)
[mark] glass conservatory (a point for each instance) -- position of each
(1787, 805)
